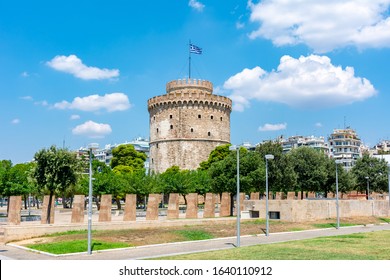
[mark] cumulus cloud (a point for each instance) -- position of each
(110, 102)
(196, 5)
(273, 127)
(323, 25)
(318, 124)
(73, 65)
(306, 82)
(92, 129)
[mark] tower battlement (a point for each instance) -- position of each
(189, 84)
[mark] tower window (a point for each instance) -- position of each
(157, 130)
(199, 116)
(212, 117)
(154, 118)
(221, 118)
(209, 133)
(171, 126)
(192, 130)
(170, 116)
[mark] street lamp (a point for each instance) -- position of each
(388, 173)
(237, 148)
(337, 194)
(368, 187)
(267, 157)
(92, 146)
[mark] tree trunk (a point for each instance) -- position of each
(8, 197)
(231, 204)
(25, 202)
(97, 202)
(63, 202)
(49, 208)
(118, 203)
(37, 201)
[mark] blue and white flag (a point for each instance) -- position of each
(195, 49)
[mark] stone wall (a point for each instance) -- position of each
(311, 210)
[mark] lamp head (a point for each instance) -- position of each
(269, 157)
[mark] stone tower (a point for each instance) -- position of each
(186, 124)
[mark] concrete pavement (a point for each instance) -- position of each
(15, 252)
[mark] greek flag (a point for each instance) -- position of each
(195, 49)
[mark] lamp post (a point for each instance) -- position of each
(388, 173)
(237, 148)
(368, 187)
(91, 147)
(267, 157)
(337, 194)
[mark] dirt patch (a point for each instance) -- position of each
(216, 228)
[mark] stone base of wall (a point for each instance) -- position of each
(311, 210)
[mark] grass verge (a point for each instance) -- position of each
(76, 246)
(361, 246)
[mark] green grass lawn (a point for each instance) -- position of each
(76, 246)
(361, 246)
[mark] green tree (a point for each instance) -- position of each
(218, 154)
(281, 174)
(223, 174)
(126, 155)
(373, 168)
(200, 181)
(345, 179)
(175, 180)
(5, 170)
(19, 182)
(310, 167)
(54, 172)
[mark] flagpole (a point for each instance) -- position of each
(189, 61)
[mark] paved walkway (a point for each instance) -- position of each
(17, 253)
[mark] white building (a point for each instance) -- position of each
(293, 142)
(345, 145)
(105, 154)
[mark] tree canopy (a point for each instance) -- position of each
(126, 155)
(55, 171)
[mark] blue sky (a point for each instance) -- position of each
(77, 72)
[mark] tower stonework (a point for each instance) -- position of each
(186, 124)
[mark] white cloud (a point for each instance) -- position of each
(240, 25)
(273, 127)
(28, 98)
(323, 25)
(196, 5)
(73, 65)
(110, 102)
(307, 82)
(318, 124)
(74, 117)
(25, 74)
(43, 103)
(92, 129)
(15, 121)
